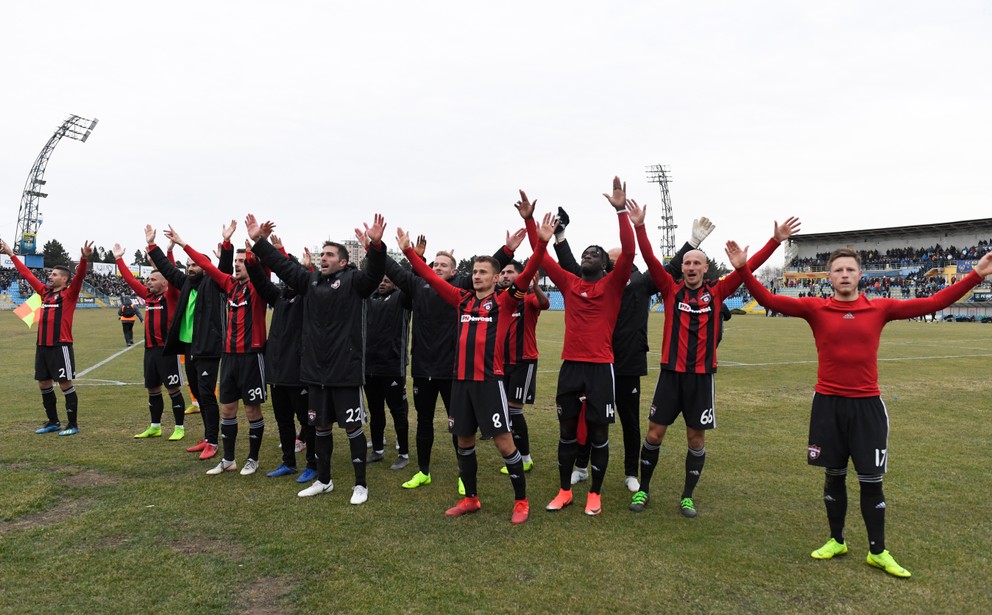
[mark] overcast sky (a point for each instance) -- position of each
(317, 114)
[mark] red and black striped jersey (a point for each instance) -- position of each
(57, 306)
(692, 316)
(521, 337)
(158, 308)
(245, 331)
(481, 329)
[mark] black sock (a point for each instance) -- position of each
(649, 461)
(835, 499)
(468, 470)
(401, 423)
(255, 431)
(873, 511)
(599, 459)
(521, 435)
(71, 405)
(178, 407)
(567, 449)
(357, 442)
(515, 466)
(425, 440)
(229, 436)
(582, 454)
(155, 407)
(48, 403)
(323, 447)
(694, 461)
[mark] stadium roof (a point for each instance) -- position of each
(983, 224)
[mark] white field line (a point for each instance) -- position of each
(79, 375)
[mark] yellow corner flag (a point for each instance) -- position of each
(28, 311)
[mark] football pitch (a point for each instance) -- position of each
(103, 523)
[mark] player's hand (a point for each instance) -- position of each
(228, 231)
(701, 229)
(87, 249)
(149, 234)
(218, 250)
(275, 241)
(636, 212)
(786, 229)
(362, 238)
(619, 197)
(5, 248)
(736, 255)
(118, 251)
(984, 265)
(524, 207)
(307, 259)
(402, 238)
(514, 240)
(375, 231)
(421, 246)
(174, 237)
(253, 228)
(547, 229)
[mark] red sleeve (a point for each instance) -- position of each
(533, 264)
(659, 275)
(789, 306)
(729, 284)
(223, 280)
(558, 275)
(27, 275)
(77, 280)
(172, 259)
(139, 289)
(621, 269)
(448, 292)
(910, 308)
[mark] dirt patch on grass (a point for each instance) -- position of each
(199, 546)
(90, 478)
(64, 509)
(269, 595)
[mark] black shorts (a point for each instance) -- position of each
(54, 363)
(690, 395)
(478, 406)
(589, 383)
(849, 427)
(341, 405)
(242, 377)
(162, 369)
(521, 381)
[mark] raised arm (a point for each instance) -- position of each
(261, 281)
(659, 275)
(544, 234)
(139, 289)
(785, 305)
(225, 260)
(223, 279)
(621, 269)
(910, 308)
(22, 269)
(77, 279)
(446, 291)
(780, 233)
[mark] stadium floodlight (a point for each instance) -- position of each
(28, 217)
(658, 174)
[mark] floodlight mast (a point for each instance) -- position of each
(658, 174)
(29, 218)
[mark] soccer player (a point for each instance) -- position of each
(54, 360)
(520, 357)
(385, 369)
(478, 400)
(848, 419)
(333, 342)
(630, 348)
(282, 368)
(592, 301)
(197, 329)
(433, 348)
(160, 368)
(242, 367)
(688, 355)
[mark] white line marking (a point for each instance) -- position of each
(102, 363)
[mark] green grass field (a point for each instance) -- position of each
(103, 523)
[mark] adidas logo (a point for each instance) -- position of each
(694, 472)
(395, 384)
(849, 316)
(829, 498)
(583, 294)
(357, 460)
(635, 390)
(880, 505)
(204, 374)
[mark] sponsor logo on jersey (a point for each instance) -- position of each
(685, 307)
(814, 451)
(470, 318)
(236, 304)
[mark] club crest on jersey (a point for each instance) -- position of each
(312, 416)
(451, 422)
(705, 297)
(488, 305)
(336, 285)
(814, 451)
